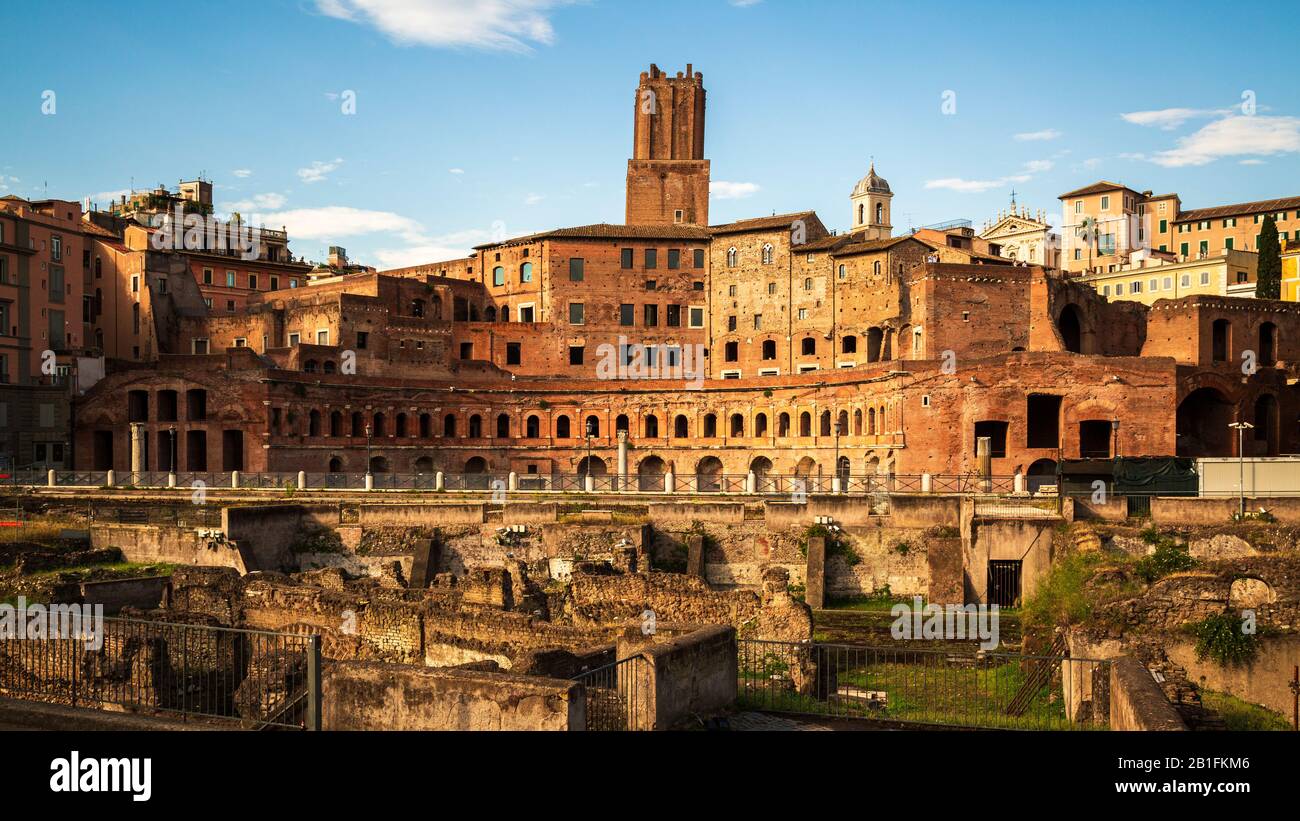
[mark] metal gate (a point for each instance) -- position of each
(1138, 507)
(1004, 583)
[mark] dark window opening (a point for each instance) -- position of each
(1043, 426)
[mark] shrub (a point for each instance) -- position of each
(1167, 558)
(1221, 637)
(835, 544)
(1060, 598)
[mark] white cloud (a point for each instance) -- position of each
(318, 170)
(533, 199)
(447, 246)
(242, 173)
(338, 221)
(258, 202)
(504, 25)
(1233, 136)
(1250, 162)
(1167, 119)
(103, 198)
(965, 186)
(1045, 134)
(455, 171)
(721, 190)
(744, 4)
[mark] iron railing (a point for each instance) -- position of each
(924, 686)
(197, 672)
(617, 695)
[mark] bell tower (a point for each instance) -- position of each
(668, 177)
(871, 199)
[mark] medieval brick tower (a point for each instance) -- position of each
(668, 177)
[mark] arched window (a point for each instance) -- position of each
(737, 424)
(652, 427)
(426, 426)
(309, 366)
(490, 313)
(621, 423)
(843, 272)
(849, 344)
(880, 213)
(710, 426)
(875, 267)
(783, 425)
(503, 426)
(862, 213)
(313, 423)
(476, 427)
(731, 257)
(808, 346)
(379, 425)
(760, 425)
(562, 428)
(449, 425)
(329, 366)
(505, 313)
(871, 421)
(533, 427)
(769, 349)
(826, 423)
(498, 275)
(399, 424)
(680, 427)
(526, 272)
(592, 427)
(767, 254)
(857, 422)
(336, 424)
(358, 424)
(807, 283)
(805, 424)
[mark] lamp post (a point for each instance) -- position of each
(1114, 435)
(590, 431)
(172, 461)
(1241, 428)
(837, 456)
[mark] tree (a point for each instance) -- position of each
(1268, 278)
(1089, 229)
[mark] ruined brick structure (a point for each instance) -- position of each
(792, 350)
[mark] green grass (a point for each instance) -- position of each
(975, 696)
(113, 569)
(1242, 715)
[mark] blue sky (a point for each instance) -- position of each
(479, 116)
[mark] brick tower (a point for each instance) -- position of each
(668, 177)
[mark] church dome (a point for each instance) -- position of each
(873, 183)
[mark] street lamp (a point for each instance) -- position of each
(591, 432)
(1114, 434)
(1241, 428)
(367, 450)
(837, 455)
(171, 429)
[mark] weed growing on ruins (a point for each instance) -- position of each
(1260, 515)
(902, 548)
(1061, 599)
(1242, 715)
(944, 532)
(1220, 637)
(836, 545)
(1169, 556)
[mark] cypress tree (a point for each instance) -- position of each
(1268, 278)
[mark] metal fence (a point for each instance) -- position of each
(196, 672)
(925, 686)
(616, 695)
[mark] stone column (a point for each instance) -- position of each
(438, 481)
(622, 460)
(1019, 482)
(695, 556)
(670, 483)
(302, 480)
(512, 482)
(815, 590)
(137, 448)
(927, 483)
(751, 483)
(110, 479)
(984, 454)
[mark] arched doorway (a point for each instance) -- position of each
(1042, 472)
(1071, 327)
(761, 466)
(1266, 427)
(650, 474)
(1202, 424)
(708, 474)
(595, 463)
(424, 464)
(378, 464)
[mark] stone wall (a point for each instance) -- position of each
(1137, 702)
(1266, 681)
(380, 696)
(680, 678)
(147, 544)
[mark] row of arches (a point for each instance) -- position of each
(356, 424)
